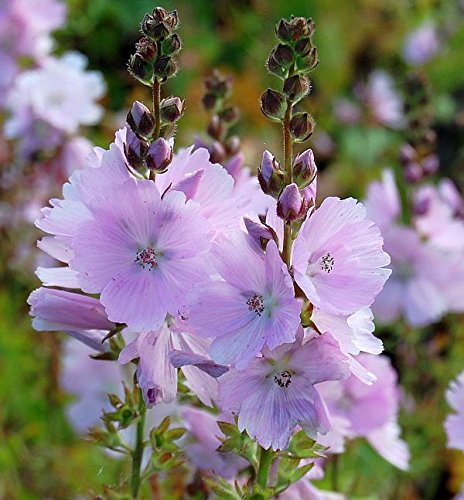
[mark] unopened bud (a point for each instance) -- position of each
(209, 101)
(219, 84)
(215, 128)
(230, 115)
(147, 49)
(296, 87)
(294, 29)
(283, 30)
(303, 46)
(159, 156)
(141, 69)
(134, 150)
(259, 232)
(141, 120)
(171, 109)
(271, 177)
(413, 172)
(232, 145)
(216, 152)
(430, 164)
(304, 169)
(306, 64)
(407, 154)
(291, 205)
(301, 126)
(171, 19)
(154, 27)
(280, 60)
(171, 45)
(164, 68)
(273, 105)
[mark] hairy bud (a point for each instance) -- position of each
(171, 45)
(141, 120)
(271, 177)
(273, 105)
(304, 169)
(301, 126)
(296, 87)
(141, 69)
(164, 68)
(171, 109)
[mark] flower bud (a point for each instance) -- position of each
(209, 101)
(273, 105)
(280, 60)
(291, 205)
(171, 109)
(164, 68)
(413, 172)
(430, 164)
(301, 126)
(141, 69)
(171, 45)
(407, 154)
(260, 233)
(270, 175)
(219, 84)
(296, 28)
(215, 128)
(304, 169)
(135, 150)
(154, 28)
(159, 156)
(296, 87)
(171, 19)
(216, 152)
(303, 46)
(230, 115)
(283, 30)
(309, 62)
(140, 120)
(232, 145)
(147, 49)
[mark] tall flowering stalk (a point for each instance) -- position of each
(257, 297)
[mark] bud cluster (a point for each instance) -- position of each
(291, 60)
(146, 146)
(225, 146)
(418, 157)
(154, 57)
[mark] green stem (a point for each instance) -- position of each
(265, 462)
(137, 454)
(156, 107)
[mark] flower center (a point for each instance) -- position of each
(283, 379)
(147, 258)
(327, 263)
(256, 304)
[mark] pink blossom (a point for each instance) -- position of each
(338, 258)
(454, 424)
(276, 392)
(141, 252)
(421, 45)
(253, 307)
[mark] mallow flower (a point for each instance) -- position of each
(454, 424)
(338, 259)
(252, 307)
(276, 392)
(141, 252)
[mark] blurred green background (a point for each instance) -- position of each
(40, 454)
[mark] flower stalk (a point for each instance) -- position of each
(137, 453)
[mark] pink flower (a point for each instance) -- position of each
(143, 253)
(276, 392)
(454, 424)
(421, 45)
(338, 258)
(253, 307)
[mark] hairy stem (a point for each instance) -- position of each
(288, 160)
(156, 107)
(265, 462)
(137, 454)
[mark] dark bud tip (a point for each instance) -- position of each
(301, 126)
(296, 87)
(171, 109)
(209, 101)
(171, 45)
(215, 129)
(135, 150)
(271, 177)
(230, 115)
(141, 69)
(141, 120)
(308, 62)
(273, 105)
(280, 60)
(147, 49)
(164, 68)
